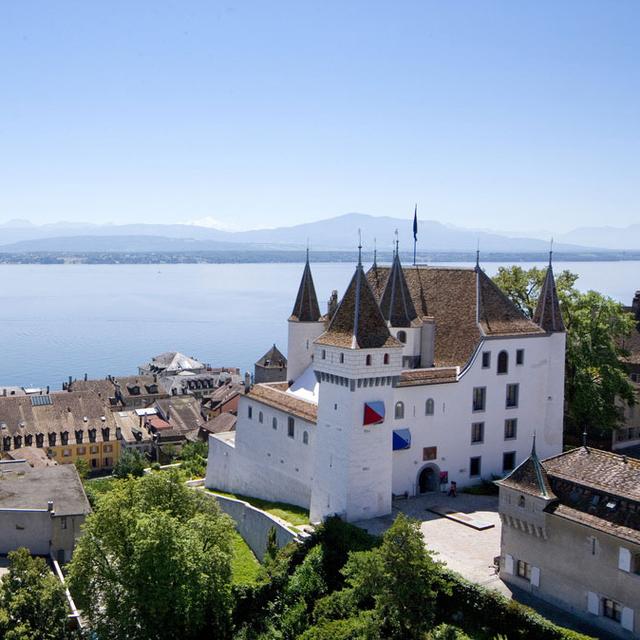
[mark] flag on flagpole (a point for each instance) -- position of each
(415, 224)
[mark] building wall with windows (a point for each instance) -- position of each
(573, 566)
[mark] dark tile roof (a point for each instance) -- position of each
(181, 412)
(547, 314)
(419, 377)
(358, 322)
(273, 358)
(529, 477)
(306, 308)
(220, 424)
(396, 303)
(34, 488)
(275, 397)
(449, 295)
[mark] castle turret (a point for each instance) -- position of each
(547, 314)
(356, 362)
(305, 325)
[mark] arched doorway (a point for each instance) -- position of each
(429, 478)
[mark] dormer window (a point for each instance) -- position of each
(92, 435)
(28, 440)
(79, 436)
(105, 434)
(17, 442)
(402, 336)
(52, 439)
(6, 443)
(39, 439)
(64, 438)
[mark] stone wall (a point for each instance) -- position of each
(253, 524)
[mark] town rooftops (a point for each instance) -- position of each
(358, 322)
(274, 395)
(34, 488)
(465, 305)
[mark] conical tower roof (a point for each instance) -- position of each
(396, 304)
(547, 314)
(273, 358)
(358, 322)
(306, 308)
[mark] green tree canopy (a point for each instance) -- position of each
(130, 463)
(33, 605)
(154, 562)
(596, 379)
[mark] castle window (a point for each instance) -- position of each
(508, 461)
(524, 570)
(260, 417)
(503, 362)
(274, 423)
(324, 354)
(477, 432)
(475, 466)
(479, 398)
(368, 360)
(305, 437)
(512, 396)
(611, 609)
(249, 412)
(399, 411)
(386, 358)
(428, 407)
(402, 336)
(342, 358)
(510, 428)
(521, 502)
(291, 427)
(520, 356)
(486, 359)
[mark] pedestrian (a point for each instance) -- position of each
(453, 489)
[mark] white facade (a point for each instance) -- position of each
(350, 469)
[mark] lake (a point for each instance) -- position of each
(58, 321)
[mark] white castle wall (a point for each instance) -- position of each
(263, 462)
(539, 410)
(300, 346)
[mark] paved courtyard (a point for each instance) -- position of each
(466, 550)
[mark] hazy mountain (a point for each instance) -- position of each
(620, 238)
(334, 233)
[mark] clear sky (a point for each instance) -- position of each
(504, 115)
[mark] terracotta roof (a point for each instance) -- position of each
(273, 358)
(418, 377)
(358, 322)
(449, 295)
(220, 424)
(396, 304)
(601, 470)
(306, 307)
(547, 313)
(273, 397)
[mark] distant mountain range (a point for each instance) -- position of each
(339, 233)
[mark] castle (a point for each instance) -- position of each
(420, 376)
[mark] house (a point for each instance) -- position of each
(123, 392)
(420, 376)
(222, 423)
(571, 534)
(41, 509)
(272, 367)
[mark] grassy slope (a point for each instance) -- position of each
(244, 566)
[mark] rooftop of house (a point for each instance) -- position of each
(33, 488)
(419, 377)
(220, 424)
(273, 359)
(181, 412)
(596, 488)
(464, 303)
(274, 395)
(33, 456)
(172, 362)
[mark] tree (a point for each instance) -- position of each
(33, 604)
(154, 562)
(595, 376)
(82, 467)
(130, 463)
(194, 457)
(393, 586)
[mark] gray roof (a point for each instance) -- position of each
(34, 488)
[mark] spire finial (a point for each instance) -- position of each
(307, 249)
(533, 446)
(478, 254)
(550, 251)
(396, 241)
(584, 438)
(375, 253)
(359, 247)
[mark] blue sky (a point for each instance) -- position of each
(504, 115)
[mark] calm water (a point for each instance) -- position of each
(66, 320)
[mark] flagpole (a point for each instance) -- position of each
(415, 233)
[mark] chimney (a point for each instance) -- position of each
(155, 377)
(50, 506)
(247, 382)
(85, 377)
(4, 392)
(69, 383)
(47, 389)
